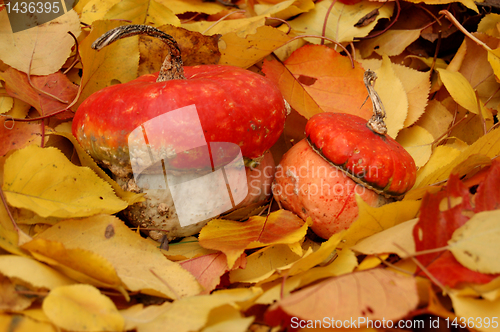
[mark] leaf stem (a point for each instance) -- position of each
(461, 28)
(323, 32)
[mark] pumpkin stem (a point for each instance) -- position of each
(376, 122)
(171, 69)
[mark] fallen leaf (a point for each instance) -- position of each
(475, 243)
(132, 256)
(393, 96)
(88, 161)
(44, 181)
(10, 298)
(373, 294)
(196, 49)
(20, 323)
(187, 248)
(390, 240)
(82, 308)
(467, 3)
(195, 6)
(418, 142)
(329, 79)
(246, 51)
(208, 269)
(292, 90)
(436, 119)
(479, 311)
(116, 63)
(488, 196)
(460, 90)
(441, 156)
(233, 237)
(341, 20)
(488, 145)
(34, 273)
(284, 9)
(79, 264)
(148, 12)
(374, 220)
(17, 135)
(192, 313)
(242, 27)
(264, 263)
(57, 84)
(345, 263)
(227, 318)
(390, 43)
(41, 50)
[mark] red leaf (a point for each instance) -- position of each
(20, 135)
(435, 227)
(57, 84)
(488, 192)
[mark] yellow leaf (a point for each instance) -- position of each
(344, 263)
(191, 313)
(19, 110)
(374, 220)
(460, 89)
(86, 160)
(6, 103)
(82, 308)
(418, 142)
(467, 3)
(19, 323)
(227, 318)
(195, 6)
(494, 60)
(489, 25)
(96, 9)
(298, 98)
(32, 272)
(341, 21)
(390, 43)
(390, 241)
(441, 156)
(244, 52)
(242, 27)
(41, 50)
(263, 263)
(79, 264)
(480, 311)
(233, 237)
(475, 244)
(487, 145)
(285, 9)
(116, 63)
(187, 248)
(44, 181)
(132, 256)
(10, 298)
(436, 119)
(417, 86)
(318, 256)
(149, 12)
(393, 96)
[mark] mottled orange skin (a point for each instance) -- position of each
(234, 105)
(377, 160)
(309, 186)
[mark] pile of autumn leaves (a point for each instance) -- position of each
(73, 265)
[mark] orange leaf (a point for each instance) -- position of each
(208, 269)
(57, 84)
(353, 299)
(17, 135)
(329, 79)
(233, 237)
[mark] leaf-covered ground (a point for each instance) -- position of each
(69, 263)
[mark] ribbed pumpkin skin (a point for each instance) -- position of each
(377, 160)
(234, 105)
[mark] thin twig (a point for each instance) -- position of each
(77, 54)
(461, 28)
(388, 27)
(222, 19)
(323, 32)
(11, 217)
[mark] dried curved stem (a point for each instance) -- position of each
(387, 27)
(376, 122)
(171, 69)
